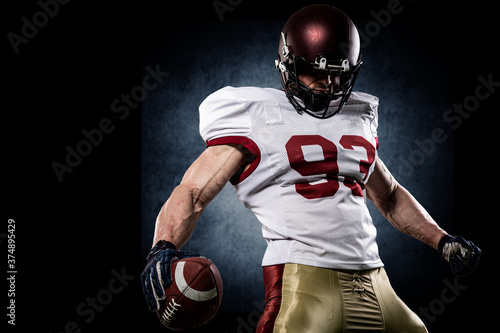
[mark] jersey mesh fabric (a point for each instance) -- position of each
(307, 189)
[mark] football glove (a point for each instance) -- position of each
(157, 276)
(462, 255)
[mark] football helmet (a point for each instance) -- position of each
(319, 40)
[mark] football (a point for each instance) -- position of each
(193, 297)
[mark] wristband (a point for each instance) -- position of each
(159, 246)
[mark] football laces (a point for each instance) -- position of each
(169, 312)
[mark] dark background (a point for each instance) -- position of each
(72, 235)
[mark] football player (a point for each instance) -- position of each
(304, 159)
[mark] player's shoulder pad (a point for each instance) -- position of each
(224, 112)
(233, 96)
(361, 102)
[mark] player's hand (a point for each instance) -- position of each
(462, 255)
(156, 276)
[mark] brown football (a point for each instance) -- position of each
(194, 296)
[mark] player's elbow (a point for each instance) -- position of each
(193, 196)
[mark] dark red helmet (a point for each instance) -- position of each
(322, 40)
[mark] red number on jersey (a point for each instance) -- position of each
(327, 166)
(349, 142)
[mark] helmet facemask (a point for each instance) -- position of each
(317, 102)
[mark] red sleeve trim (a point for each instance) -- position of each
(249, 144)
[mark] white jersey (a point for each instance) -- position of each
(306, 181)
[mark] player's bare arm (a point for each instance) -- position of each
(175, 223)
(400, 208)
(407, 215)
(201, 183)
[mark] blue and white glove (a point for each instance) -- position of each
(157, 275)
(462, 255)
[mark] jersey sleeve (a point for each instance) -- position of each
(225, 120)
(374, 123)
(222, 114)
(367, 104)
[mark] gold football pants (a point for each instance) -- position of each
(323, 300)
